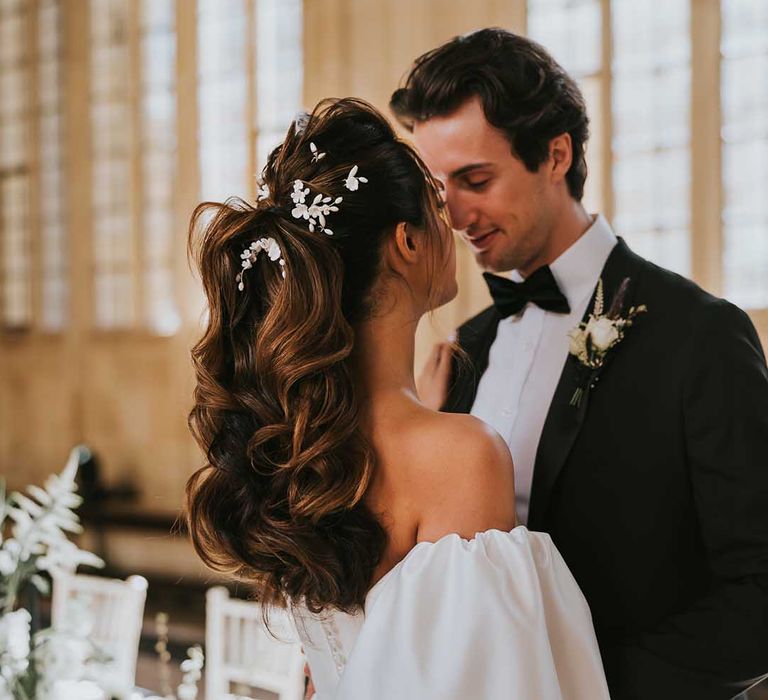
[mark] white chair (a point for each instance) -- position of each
(115, 610)
(241, 652)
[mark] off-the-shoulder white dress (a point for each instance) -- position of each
(498, 616)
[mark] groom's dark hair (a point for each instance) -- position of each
(523, 90)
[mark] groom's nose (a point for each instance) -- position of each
(462, 214)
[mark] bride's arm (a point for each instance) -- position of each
(466, 481)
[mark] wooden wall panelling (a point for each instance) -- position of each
(37, 423)
(188, 166)
(706, 171)
(134, 417)
(606, 114)
(326, 51)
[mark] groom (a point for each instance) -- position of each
(649, 467)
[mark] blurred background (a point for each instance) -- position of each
(118, 116)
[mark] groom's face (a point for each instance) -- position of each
(501, 210)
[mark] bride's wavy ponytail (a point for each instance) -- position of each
(280, 501)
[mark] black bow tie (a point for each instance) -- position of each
(540, 288)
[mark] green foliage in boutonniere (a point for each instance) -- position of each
(592, 340)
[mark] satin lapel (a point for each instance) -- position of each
(475, 338)
(564, 421)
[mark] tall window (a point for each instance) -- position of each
(744, 102)
(158, 163)
(54, 250)
(651, 128)
(133, 113)
(250, 80)
(223, 98)
(15, 125)
(249, 89)
(572, 31)
(642, 138)
(112, 139)
(279, 72)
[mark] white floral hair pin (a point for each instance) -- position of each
(316, 212)
(353, 180)
(321, 206)
(251, 253)
(316, 155)
(263, 192)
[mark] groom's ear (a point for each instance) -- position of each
(560, 157)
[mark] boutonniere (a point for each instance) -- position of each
(593, 339)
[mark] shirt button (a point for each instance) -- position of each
(507, 412)
(528, 345)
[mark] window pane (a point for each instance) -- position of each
(744, 103)
(651, 128)
(279, 71)
(111, 184)
(54, 251)
(14, 166)
(222, 96)
(571, 30)
(14, 194)
(158, 152)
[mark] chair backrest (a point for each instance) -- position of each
(115, 611)
(240, 651)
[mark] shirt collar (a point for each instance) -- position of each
(577, 269)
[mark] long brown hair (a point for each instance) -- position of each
(280, 500)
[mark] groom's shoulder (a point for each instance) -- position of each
(701, 325)
(681, 297)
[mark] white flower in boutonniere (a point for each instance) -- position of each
(592, 340)
(603, 333)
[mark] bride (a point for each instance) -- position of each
(387, 528)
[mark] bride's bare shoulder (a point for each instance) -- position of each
(463, 477)
(453, 438)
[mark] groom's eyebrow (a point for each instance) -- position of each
(467, 168)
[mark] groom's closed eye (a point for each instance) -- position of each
(477, 184)
(474, 176)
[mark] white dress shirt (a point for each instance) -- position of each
(528, 354)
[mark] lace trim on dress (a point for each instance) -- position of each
(334, 641)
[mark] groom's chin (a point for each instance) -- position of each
(488, 262)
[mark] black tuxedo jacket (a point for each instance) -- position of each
(655, 489)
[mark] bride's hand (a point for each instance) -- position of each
(432, 383)
(309, 691)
